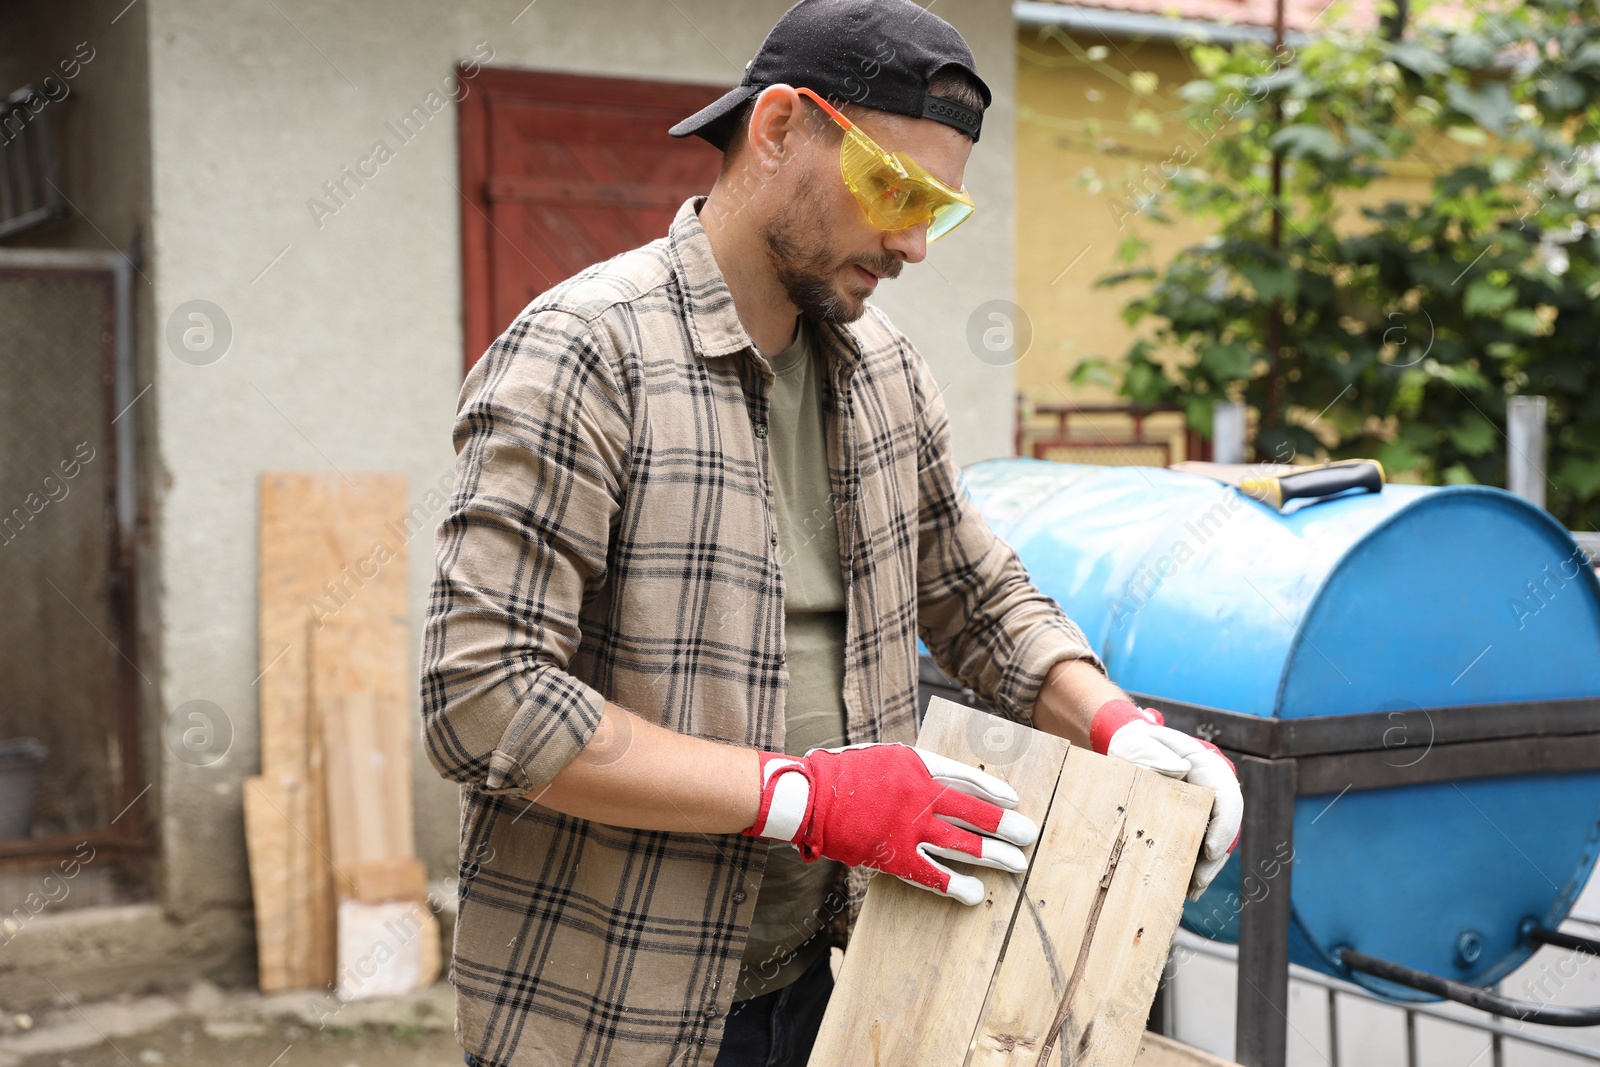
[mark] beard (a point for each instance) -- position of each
(807, 265)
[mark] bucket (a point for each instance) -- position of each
(20, 759)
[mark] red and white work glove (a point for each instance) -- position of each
(1140, 735)
(894, 808)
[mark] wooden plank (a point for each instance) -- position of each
(913, 981)
(313, 951)
(326, 545)
(379, 880)
(1097, 918)
(360, 680)
(1054, 912)
(267, 840)
(1062, 973)
(294, 922)
(1158, 1051)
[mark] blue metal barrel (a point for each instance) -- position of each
(1415, 597)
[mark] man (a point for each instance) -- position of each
(705, 505)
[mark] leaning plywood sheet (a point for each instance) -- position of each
(327, 543)
(1073, 960)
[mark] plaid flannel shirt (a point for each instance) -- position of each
(612, 537)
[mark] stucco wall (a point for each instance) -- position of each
(346, 350)
(1078, 150)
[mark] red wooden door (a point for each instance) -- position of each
(559, 171)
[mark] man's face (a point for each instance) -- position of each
(826, 254)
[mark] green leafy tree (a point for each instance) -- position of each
(1397, 329)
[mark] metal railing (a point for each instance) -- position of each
(1045, 431)
(1498, 1032)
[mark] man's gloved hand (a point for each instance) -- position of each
(893, 808)
(1139, 735)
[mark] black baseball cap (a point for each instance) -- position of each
(879, 54)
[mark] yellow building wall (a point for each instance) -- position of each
(1097, 118)
(1086, 124)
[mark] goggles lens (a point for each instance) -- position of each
(893, 189)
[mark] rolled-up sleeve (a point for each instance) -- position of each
(983, 620)
(541, 438)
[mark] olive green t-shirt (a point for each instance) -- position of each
(793, 906)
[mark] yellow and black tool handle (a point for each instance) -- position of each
(1315, 483)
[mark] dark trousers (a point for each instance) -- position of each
(775, 1029)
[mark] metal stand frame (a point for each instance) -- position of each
(1280, 759)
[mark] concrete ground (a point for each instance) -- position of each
(206, 1026)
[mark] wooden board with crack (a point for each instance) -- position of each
(1056, 966)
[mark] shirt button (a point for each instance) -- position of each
(739, 896)
(711, 1011)
(761, 429)
(774, 540)
(783, 657)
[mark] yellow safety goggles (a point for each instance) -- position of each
(893, 189)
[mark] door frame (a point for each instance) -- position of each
(115, 271)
